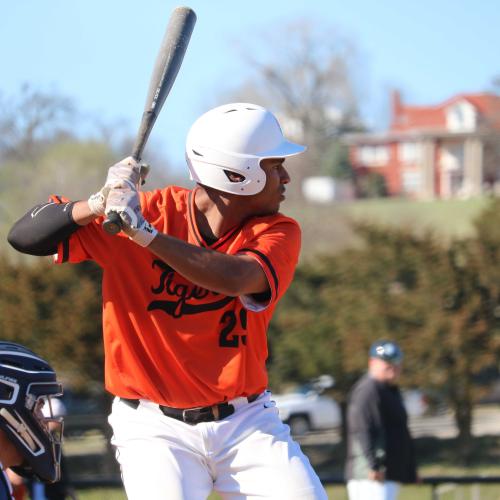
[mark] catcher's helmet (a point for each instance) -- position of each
(235, 138)
(27, 382)
(386, 350)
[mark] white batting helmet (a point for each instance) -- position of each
(235, 138)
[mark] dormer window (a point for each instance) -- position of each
(461, 117)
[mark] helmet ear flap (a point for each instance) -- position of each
(220, 174)
(21, 429)
(8, 391)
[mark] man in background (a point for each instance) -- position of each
(380, 451)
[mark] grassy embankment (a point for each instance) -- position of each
(327, 228)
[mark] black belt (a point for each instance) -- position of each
(193, 416)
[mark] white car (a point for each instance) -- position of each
(305, 409)
(415, 402)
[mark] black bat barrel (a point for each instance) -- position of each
(167, 65)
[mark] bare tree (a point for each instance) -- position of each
(41, 153)
(30, 120)
(495, 84)
(307, 73)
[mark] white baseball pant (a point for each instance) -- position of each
(363, 489)
(249, 454)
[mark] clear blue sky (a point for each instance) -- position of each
(101, 52)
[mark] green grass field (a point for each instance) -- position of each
(436, 457)
(446, 492)
(327, 228)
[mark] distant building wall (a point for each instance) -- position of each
(443, 151)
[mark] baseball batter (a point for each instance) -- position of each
(189, 288)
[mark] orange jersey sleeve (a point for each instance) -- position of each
(276, 246)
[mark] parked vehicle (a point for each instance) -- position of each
(424, 402)
(305, 409)
(416, 402)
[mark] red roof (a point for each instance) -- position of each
(488, 106)
(407, 118)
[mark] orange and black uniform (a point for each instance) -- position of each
(167, 339)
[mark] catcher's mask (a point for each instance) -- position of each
(27, 383)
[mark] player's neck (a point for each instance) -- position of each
(216, 213)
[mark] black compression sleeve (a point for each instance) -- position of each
(40, 230)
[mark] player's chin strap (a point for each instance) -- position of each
(20, 428)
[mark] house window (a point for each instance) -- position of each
(461, 117)
(409, 152)
(452, 156)
(412, 181)
(373, 155)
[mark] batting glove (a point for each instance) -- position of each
(127, 173)
(125, 202)
(97, 201)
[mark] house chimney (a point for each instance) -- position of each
(396, 106)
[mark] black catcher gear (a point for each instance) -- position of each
(27, 383)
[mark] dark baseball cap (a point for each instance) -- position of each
(386, 350)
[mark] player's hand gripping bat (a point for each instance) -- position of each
(168, 62)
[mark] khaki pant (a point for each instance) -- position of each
(366, 489)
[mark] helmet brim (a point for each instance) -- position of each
(284, 150)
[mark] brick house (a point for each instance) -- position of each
(446, 151)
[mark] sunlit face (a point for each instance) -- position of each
(268, 201)
(383, 371)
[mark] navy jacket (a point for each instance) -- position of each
(377, 433)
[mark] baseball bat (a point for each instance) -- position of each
(167, 65)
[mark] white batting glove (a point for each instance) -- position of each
(127, 173)
(97, 201)
(125, 202)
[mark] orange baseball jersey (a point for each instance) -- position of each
(165, 338)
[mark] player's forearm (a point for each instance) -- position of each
(82, 214)
(227, 274)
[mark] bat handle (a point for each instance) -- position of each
(113, 224)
